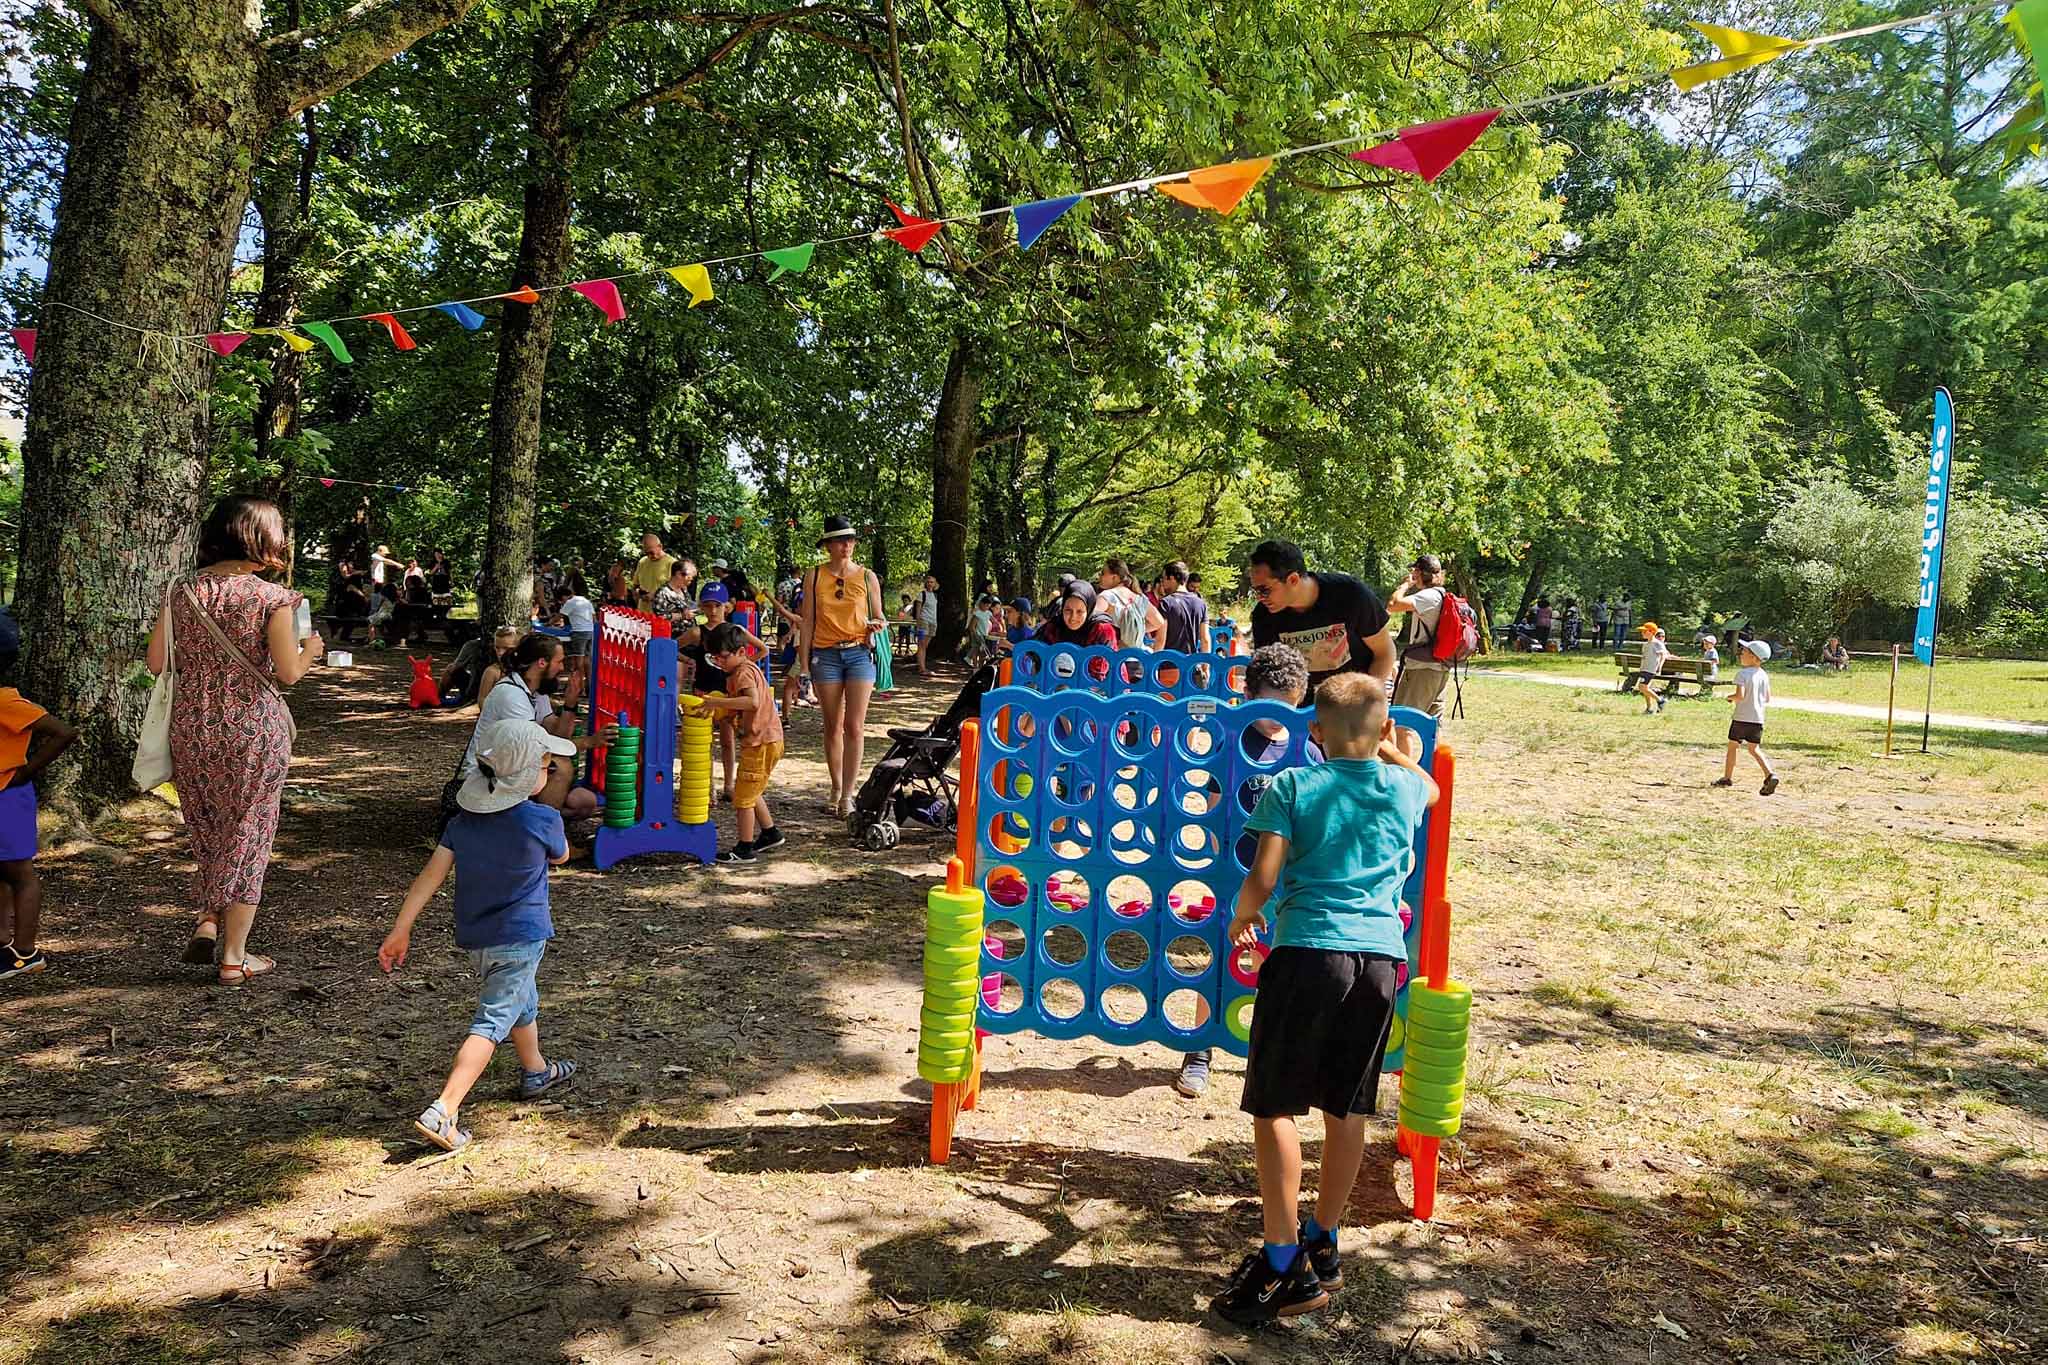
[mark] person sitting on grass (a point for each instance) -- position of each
(1275, 673)
(750, 703)
(1342, 833)
(478, 666)
(532, 670)
(30, 738)
(499, 845)
(1746, 731)
(1655, 652)
(1834, 655)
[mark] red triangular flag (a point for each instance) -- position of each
(400, 338)
(1428, 149)
(25, 337)
(224, 343)
(327, 483)
(605, 295)
(916, 233)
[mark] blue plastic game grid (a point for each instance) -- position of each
(1128, 800)
(1045, 668)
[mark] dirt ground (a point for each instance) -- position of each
(1750, 1081)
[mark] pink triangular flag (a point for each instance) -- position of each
(224, 343)
(605, 295)
(327, 483)
(1428, 149)
(25, 337)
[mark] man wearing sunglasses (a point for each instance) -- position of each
(1335, 621)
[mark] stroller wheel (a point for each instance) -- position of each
(892, 834)
(875, 837)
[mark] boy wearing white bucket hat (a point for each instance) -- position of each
(1746, 730)
(500, 845)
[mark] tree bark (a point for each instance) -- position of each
(525, 336)
(954, 430)
(174, 105)
(283, 200)
(1532, 588)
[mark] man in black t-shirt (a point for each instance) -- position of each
(1335, 621)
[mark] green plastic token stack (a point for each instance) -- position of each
(1433, 1059)
(952, 984)
(622, 779)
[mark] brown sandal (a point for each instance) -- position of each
(247, 970)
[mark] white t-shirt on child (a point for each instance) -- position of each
(1756, 694)
(580, 614)
(1655, 652)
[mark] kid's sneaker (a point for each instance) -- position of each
(1322, 1255)
(13, 963)
(770, 838)
(1259, 1294)
(738, 853)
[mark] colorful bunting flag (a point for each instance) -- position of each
(694, 278)
(400, 338)
(1033, 219)
(331, 338)
(1220, 188)
(327, 483)
(1428, 149)
(915, 234)
(224, 343)
(523, 294)
(1740, 50)
(285, 334)
(2032, 18)
(25, 337)
(793, 260)
(604, 294)
(464, 314)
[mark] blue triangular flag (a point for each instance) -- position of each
(464, 314)
(1034, 219)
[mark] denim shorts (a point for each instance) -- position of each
(579, 643)
(509, 997)
(843, 664)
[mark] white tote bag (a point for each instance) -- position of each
(153, 746)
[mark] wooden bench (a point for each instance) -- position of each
(1677, 672)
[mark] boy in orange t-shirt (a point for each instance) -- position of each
(749, 698)
(29, 738)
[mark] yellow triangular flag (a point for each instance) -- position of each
(1221, 188)
(1740, 50)
(290, 338)
(694, 278)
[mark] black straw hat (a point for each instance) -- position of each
(836, 528)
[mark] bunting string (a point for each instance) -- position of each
(1425, 150)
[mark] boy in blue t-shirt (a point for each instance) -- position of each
(1341, 832)
(500, 846)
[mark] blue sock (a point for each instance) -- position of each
(1312, 1231)
(1281, 1257)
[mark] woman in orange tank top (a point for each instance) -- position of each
(842, 613)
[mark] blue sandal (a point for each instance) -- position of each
(435, 1126)
(533, 1084)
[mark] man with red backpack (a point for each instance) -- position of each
(1432, 645)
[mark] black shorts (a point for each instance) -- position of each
(1746, 731)
(1319, 1031)
(1641, 679)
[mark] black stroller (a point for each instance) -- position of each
(910, 782)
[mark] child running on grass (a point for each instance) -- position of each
(1341, 832)
(1655, 652)
(30, 738)
(500, 845)
(1746, 731)
(748, 699)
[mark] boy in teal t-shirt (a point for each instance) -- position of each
(1343, 834)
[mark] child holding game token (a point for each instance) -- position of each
(750, 701)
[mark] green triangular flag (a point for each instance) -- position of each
(2032, 18)
(329, 336)
(789, 259)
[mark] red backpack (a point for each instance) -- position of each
(1461, 641)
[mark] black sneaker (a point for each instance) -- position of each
(738, 853)
(1259, 1294)
(13, 963)
(1322, 1256)
(770, 838)
(1723, 782)
(1770, 785)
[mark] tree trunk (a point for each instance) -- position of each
(1532, 587)
(283, 200)
(953, 440)
(166, 125)
(690, 535)
(1466, 584)
(525, 336)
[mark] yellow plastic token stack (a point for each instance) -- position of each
(1433, 1060)
(693, 792)
(952, 982)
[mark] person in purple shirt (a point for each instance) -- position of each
(1187, 616)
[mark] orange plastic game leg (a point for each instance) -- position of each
(1424, 1157)
(1402, 1141)
(973, 1079)
(945, 1107)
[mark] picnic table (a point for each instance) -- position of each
(1628, 661)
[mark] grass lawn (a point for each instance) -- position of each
(2004, 689)
(1751, 1079)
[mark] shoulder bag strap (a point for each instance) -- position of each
(234, 651)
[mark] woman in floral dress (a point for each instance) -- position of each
(231, 734)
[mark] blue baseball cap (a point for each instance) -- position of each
(715, 591)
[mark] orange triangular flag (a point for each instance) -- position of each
(523, 294)
(1221, 188)
(400, 338)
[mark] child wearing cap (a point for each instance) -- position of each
(500, 845)
(751, 704)
(1746, 731)
(1342, 833)
(30, 738)
(1017, 627)
(1655, 652)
